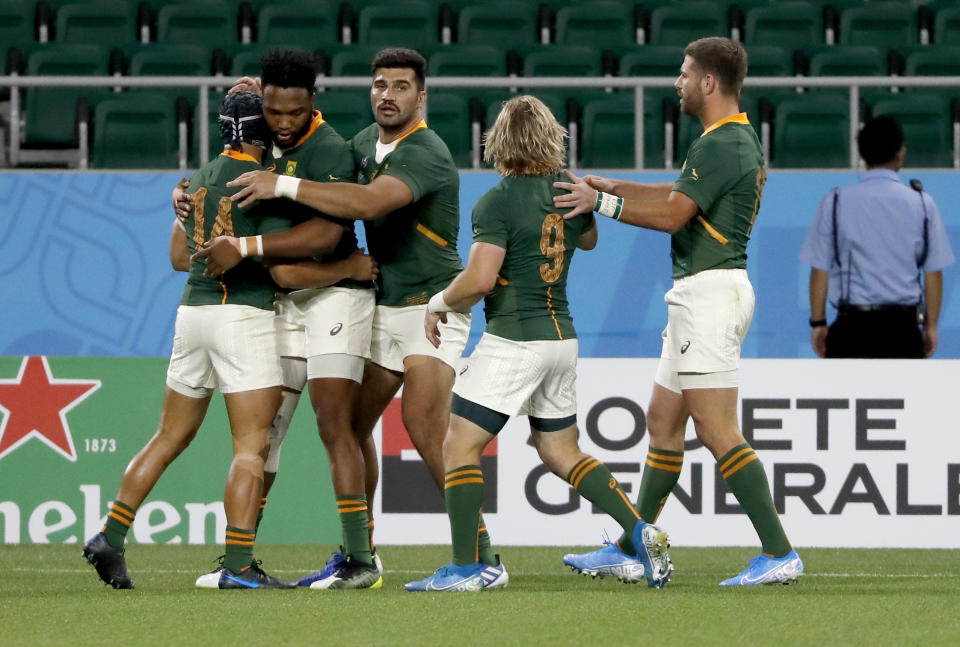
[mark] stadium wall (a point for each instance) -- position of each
(84, 269)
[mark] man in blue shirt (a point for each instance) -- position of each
(877, 249)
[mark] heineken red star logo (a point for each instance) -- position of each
(35, 405)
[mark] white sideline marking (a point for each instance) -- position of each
(559, 573)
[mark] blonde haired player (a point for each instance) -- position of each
(526, 361)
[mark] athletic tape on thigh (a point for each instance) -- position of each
(552, 424)
(336, 365)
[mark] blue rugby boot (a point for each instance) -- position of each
(764, 569)
(652, 544)
(250, 577)
(451, 578)
(334, 563)
(609, 560)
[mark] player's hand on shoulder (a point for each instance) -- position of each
(431, 326)
(363, 267)
(580, 197)
(181, 201)
(221, 253)
(257, 185)
(248, 83)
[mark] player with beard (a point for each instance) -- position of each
(709, 212)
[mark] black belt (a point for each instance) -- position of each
(876, 307)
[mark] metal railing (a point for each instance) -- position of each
(638, 84)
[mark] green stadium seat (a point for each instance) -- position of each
(16, 24)
(879, 24)
(135, 131)
(498, 23)
(408, 24)
(946, 26)
(468, 60)
(562, 60)
(51, 113)
(608, 134)
(926, 127)
(450, 117)
(214, 143)
(246, 61)
(306, 25)
(209, 22)
(112, 23)
(678, 24)
(166, 59)
(849, 60)
(354, 60)
(766, 60)
(654, 60)
(812, 132)
(348, 111)
(933, 60)
(792, 25)
(603, 25)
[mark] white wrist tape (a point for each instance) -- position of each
(245, 246)
(608, 205)
(437, 304)
(287, 187)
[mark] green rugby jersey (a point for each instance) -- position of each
(214, 214)
(416, 245)
(529, 301)
(320, 155)
(724, 174)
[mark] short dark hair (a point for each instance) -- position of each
(880, 140)
(290, 68)
(402, 57)
(725, 59)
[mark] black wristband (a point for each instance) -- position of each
(816, 323)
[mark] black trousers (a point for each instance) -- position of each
(888, 333)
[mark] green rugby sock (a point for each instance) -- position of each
(660, 475)
(263, 504)
(119, 520)
(485, 552)
(743, 472)
(353, 523)
(594, 482)
(463, 491)
(239, 543)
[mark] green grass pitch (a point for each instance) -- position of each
(50, 596)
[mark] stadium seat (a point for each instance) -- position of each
(498, 24)
(562, 60)
(214, 143)
(246, 61)
(175, 60)
(678, 24)
(408, 24)
(135, 131)
(812, 132)
(791, 25)
(307, 25)
(654, 60)
(209, 22)
(603, 25)
(16, 24)
(946, 26)
(451, 118)
(926, 127)
(51, 113)
(113, 23)
(766, 60)
(849, 60)
(879, 24)
(468, 60)
(608, 134)
(348, 111)
(353, 61)
(934, 60)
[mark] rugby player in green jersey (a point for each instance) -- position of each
(243, 365)
(526, 361)
(709, 212)
(408, 198)
(324, 333)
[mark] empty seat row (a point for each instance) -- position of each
(806, 131)
(417, 23)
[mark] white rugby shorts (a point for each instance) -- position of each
(398, 333)
(228, 347)
(533, 378)
(708, 316)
